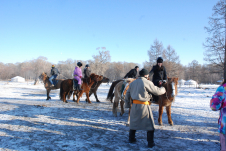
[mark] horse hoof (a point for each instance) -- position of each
(66, 102)
(97, 100)
(171, 124)
(161, 124)
(127, 125)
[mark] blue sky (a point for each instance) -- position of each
(73, 29)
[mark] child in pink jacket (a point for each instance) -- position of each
(218, 102)
(78, 74)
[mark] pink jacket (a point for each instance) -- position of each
(218, 102)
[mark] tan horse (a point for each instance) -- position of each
(163, 100)
(47, 84)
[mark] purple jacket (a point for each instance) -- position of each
(77, 72)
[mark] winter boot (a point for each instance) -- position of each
(79, 87)
(150, 139)
(132, 138)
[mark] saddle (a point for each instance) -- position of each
(125, 86)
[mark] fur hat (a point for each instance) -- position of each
(143, 72)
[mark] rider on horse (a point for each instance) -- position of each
(54, 74)
(132, 73)
(87, 71)
(159, 75)
(78, 74)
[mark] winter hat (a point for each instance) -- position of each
(143, 72)
(159, 60)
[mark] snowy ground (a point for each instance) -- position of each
(29, 122)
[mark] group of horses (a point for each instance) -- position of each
(91, 84)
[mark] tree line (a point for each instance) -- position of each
(101, 64)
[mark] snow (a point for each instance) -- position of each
(29, 122)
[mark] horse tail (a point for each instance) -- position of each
(110, 92)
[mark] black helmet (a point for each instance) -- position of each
(79, 64)
(87, 65)
(159, 60)
(136, 67)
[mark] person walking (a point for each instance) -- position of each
(218, 103)
(141, 117)
(54, 73)
(78, 74)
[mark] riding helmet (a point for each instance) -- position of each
(87, 65)
(159, 60)
(136, 67)
(53, 66)
(79, 64)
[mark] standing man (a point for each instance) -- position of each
(132, 73)
(141, 117)
(87, 71)
(54, 74)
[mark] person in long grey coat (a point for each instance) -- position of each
(141, 117)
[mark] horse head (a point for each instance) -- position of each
(95, 77)
(43, 76)
(105, 80)
(171, 87)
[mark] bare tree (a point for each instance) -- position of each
(154, 52)
(101, 61)
(215, 43)
(171, 62)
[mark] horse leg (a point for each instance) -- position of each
(95, 94)
(160, 114)
(168, 111)
(128, 120)
(64, 97)
(115, 107)
(122, 107)
(74, 96)
(47, 92)
(87, 97)
(79, 96)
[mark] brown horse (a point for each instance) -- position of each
(47, 84)
(163, 100)
(167, 99)
(66, 88)
(95, 86)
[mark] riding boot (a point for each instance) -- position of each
(150, 138)
(132, 138)
(79, 87)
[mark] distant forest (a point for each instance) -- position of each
(101, 64)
